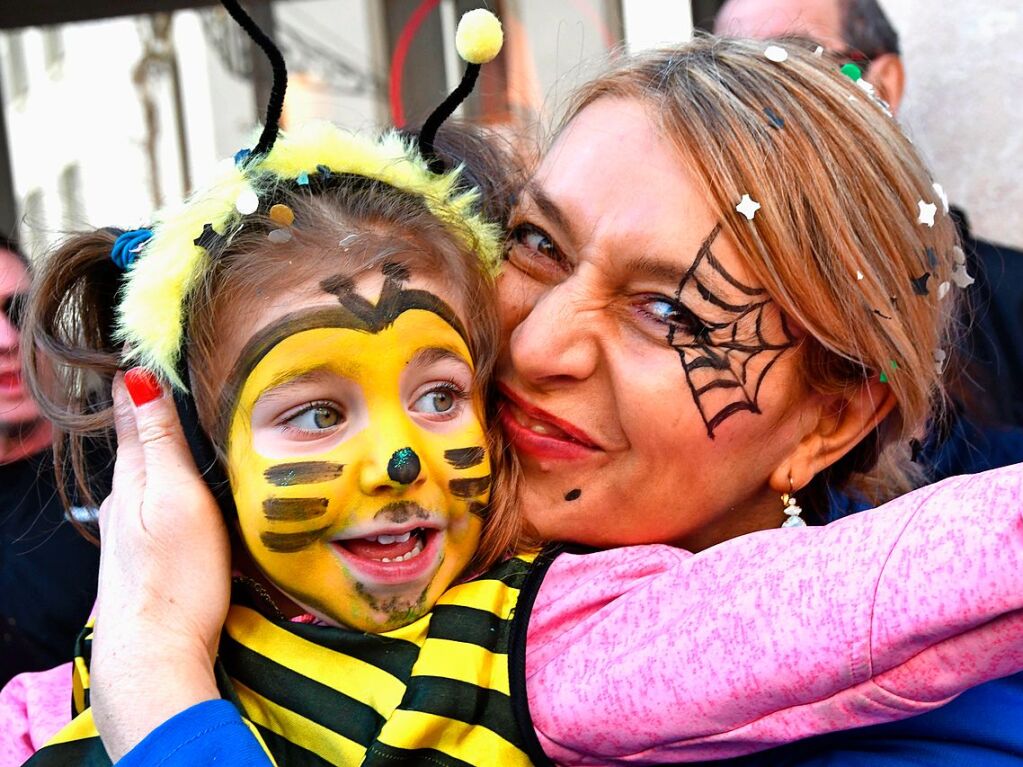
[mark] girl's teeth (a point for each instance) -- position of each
(389, 539)
(416, 550)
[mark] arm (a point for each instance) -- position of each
(33, 707)
(656, 654)
(207, 733)
(164, 572)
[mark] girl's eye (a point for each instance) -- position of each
(316, 417)
(676, 315)
(533, 251)
(439, 401)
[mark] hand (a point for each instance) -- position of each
(165, 570)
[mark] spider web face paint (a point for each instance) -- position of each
(727, 346)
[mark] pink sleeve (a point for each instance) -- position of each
(33, 707)
(655, 655)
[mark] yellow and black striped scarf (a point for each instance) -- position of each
(445, 691)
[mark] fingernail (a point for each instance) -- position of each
(142, 386)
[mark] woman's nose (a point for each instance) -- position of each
(393, 473)
(556, 341)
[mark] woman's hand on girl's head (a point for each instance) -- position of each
(164, 583)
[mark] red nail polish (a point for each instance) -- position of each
(142, 386)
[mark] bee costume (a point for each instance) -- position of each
(446, 690)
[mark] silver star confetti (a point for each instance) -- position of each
(748, 207)
(939, 190)
(927, 211)
(776, 53)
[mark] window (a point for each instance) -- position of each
(33, 224)
(69, 186)
(16, 64)
(53, 45)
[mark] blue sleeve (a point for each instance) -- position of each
(207, 733)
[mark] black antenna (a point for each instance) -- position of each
(447, 108)
(275, 104)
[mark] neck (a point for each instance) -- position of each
(21, 440)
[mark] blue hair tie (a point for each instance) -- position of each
(127, 247)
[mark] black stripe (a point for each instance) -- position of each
(294, 509)
(306, 697)
(289, 543)
(465, 457)
(302, 473)
(464, 702)
(88, 752)
(287, 753)
(512, 572)
(382, 755)
(470, 625)
(395, 656)
(517, 656)
(469, 487)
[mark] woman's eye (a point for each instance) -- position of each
(676, 315)
(534, 239)
(440, 401)
(534, 251)
(316, 418)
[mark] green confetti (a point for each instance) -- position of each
(852, 71)
(884, 378)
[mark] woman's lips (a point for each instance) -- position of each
(537, 433)
(10, 380)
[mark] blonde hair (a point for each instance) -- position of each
(837, 242)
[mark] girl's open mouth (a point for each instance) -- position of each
(392, 558)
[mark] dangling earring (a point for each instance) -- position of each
(792, 509)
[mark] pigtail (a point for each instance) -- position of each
(70, 361)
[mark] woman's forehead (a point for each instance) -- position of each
(615, 183)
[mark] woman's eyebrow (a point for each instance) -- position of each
(535, 194)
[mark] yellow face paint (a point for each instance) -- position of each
(345, 449)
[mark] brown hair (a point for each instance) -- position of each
(71, 313)
(837, 243)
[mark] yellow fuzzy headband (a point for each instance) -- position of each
(152, 312)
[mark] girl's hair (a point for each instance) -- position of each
(71, 313)
(837, 243)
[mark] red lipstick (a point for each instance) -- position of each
(537, 433)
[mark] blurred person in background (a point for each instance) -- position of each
(47, 570)
(989, 390)
(980, 727)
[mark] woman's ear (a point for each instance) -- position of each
(887, 74)
(843, 421)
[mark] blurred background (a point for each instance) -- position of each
(113, 108)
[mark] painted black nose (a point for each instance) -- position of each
(404, 466)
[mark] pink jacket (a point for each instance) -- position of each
(654, 654)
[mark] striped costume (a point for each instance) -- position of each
(445, 691)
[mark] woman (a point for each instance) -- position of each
(647, 306)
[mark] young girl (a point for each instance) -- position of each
(349, 415)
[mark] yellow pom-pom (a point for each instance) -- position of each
(479, 36)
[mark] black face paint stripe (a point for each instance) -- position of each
(294, 509)
(465, 457)
(469, 487)
(355, 313)
(289, 543)
(302, 473)
(480, 510)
